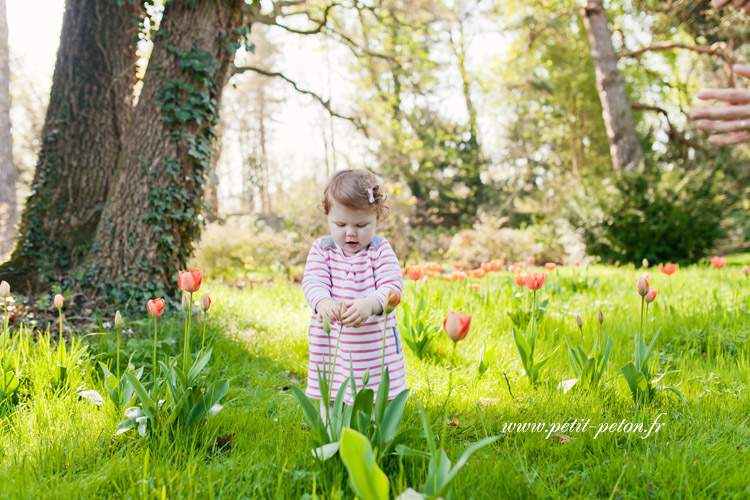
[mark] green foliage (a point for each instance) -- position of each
(636, 373)
(662, 217)
(588, 368)
(526, 346)
(367, 480)
(415, 326)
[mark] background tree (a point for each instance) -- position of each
(7, 167)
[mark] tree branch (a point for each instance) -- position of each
(672, 129)
(326, 103)
(254, 13)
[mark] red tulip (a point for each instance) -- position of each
(205, 303)
(550, 266)
(391, 301)
(718, 262)
(668, 269)
(531, 260)
(190, 281)
(535, 281)
(521, 279)
(497, 264)
(651, 295)
(155, 307)
(413, 273)
(642, 286)
(59, 300)
(458, 266)
(456, 325)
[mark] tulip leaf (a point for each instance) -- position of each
(367, 480)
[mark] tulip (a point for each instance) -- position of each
(391, 301)
(718, 262)
(577, 263)
(190, 281)
(642, 286)
(460, 275)
(480, 273)
(746, 271)
(550, 266)
(458, 266)
(497, 264)
(448, 278)
(59, 301)
(535, 281)
(456, 325)
(650, 296)
(601, 317)
(155, 307)
(531, 260)
(475, 286)
(579, 321)
(205, 303)
(4, 289)
(118, 319)
(668, 269)
(521, 279)
(486, 267)
(186, 303)
(413, 273)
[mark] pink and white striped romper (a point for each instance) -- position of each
(330, 273)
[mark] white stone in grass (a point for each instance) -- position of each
(92, 397)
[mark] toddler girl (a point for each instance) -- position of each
(355, 267)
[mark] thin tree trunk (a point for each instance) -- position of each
(212, 189)
(624, 145)
(148, 229)
(88, 111)
(8, 214)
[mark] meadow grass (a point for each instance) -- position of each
(54, 444)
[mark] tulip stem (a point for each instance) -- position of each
(186, 343)
(203, 341)
(117, 329)
(154, 357)
(382, 358)
(335, 359)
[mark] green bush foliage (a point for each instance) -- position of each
(661, 216)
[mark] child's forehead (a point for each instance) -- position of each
(341, 211)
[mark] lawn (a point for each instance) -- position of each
(56, 444)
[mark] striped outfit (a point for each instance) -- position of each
(330, 273)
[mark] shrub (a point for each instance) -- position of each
(662, 217)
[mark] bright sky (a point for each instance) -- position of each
(296, 139)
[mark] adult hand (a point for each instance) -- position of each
(738, 4)
(328, 308)
(357, 311)
(732, 119)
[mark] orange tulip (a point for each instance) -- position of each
(497, 264)
(668, 269)
(486, 267)
(392, 300)
(456, 325)
(190, 281)
(155, 307)
(642, 286)
(480, 273)
(459, 275)
(651, 295)
(718, 262)
(475, 286)
(531, 260)
(521, 279)
(577, 263)
(458, 266)
(403, 271)
(448, 278)
(550, 266)
(535, 281)
(413, 273)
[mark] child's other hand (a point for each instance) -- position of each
(328, 308)
(357, 312)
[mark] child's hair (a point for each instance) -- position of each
(357, 189)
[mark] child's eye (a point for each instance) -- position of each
(339, 224)
(361, 225)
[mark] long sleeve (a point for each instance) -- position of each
(316, 281)
(387, 272)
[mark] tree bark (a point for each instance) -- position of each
(7, 167)
(152, 217)
(624, 145)
(89, 109)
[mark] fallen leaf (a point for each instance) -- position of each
(562, 438)
(453, 422)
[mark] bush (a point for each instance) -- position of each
(662, 217)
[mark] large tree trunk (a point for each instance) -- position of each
(7, 167)
(89, 109)
(152, 217)
(624, 146)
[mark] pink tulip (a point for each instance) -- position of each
(59, 301)
(155, 307)
(475, 286)
(205, 303)
(535, 281)
(718, 262)
(642, 286)
(190, 281)
(521, 279)
(456, 325)
(650, 296)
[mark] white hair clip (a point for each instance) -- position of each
(372, 197)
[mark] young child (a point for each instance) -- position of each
(355, 267)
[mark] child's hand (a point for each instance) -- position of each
(329, 309)
(357, 311)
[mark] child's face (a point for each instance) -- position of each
(352, 230)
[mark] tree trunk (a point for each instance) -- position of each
(88, 111)
(152, 217)
(211, 201)
(7, 167)
(624, 145)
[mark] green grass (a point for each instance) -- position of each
(54, 444)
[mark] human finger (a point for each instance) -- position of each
(730, 139)
(720, 3)
(723, 125)
(734, 96)
(743, 69)
(728, 112)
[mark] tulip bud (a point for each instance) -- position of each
(601, 317)
(579, 321)
(391, 301)
(456, 325)
(642, 286)
(118, 319)
(342, 310)
(650, 296)
(4, 289)
(185, 301)
(59, 300)
(205, 303)
(155, 307)
(326, 325)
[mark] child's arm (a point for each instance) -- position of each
(316, 281)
